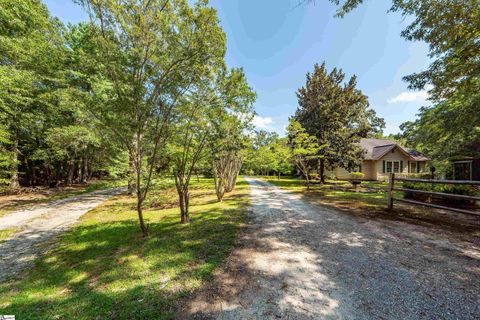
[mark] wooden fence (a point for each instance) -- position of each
(392, 188)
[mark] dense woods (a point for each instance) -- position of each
(139, 91)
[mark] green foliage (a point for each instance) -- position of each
(356, 175)
(337, 114)
(451, 28)
(449, 129)
(304, 148)
(445, 188)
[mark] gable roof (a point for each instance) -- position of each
(377, 148)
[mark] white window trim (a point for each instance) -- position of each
(393, 166)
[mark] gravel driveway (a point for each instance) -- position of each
(299, 261)
(39, 224)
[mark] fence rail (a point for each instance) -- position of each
(391, 189)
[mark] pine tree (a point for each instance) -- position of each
(337, 114)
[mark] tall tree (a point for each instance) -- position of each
(150, 53)
(337, 114)
(31, 55)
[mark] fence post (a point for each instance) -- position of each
(391, 183)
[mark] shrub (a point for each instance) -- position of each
(444, 188)
(356, 175)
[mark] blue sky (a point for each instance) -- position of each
(277, 42)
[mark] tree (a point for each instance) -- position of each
(31, 52)
(282, 153)
(337, 114)
(261, 158)
(304, 149)
(216, 111)
(448, 129)
(147, 55)
(226, 168)
(5, 161)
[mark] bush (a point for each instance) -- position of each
(356, 175)
(447, 188)
(444, 188)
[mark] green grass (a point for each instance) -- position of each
(6, 233)
(104, 269)
(337, 193)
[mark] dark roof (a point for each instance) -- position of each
(377, 148)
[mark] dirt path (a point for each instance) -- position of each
(39, 224)
(299, 261)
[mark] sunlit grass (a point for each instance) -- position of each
(6, 233)
(103, 268)
(339, 193)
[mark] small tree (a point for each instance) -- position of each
(304, 149)
(283, 159)
(225, 171)
(145, 56)
(207, 119)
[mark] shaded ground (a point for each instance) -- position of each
(36, 225)
(301, 261)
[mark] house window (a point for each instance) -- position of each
(396, 166)
(414, 167)
(389, 166)
(392, 166)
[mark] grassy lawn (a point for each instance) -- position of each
(9, 203)
(337, 193)
(103, 268)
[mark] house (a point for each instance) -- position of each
(384, 156)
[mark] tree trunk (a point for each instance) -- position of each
(84, 171)
(14, 184)
(219, 186)
(131, 180)
(143, 226)
(183, 196)
(140, 199)
(322, 171)
(71, 168)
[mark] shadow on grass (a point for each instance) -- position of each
(107, 270)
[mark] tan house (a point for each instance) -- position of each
(385, 156)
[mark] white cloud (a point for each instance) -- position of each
(409, 96)
(262, 122)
